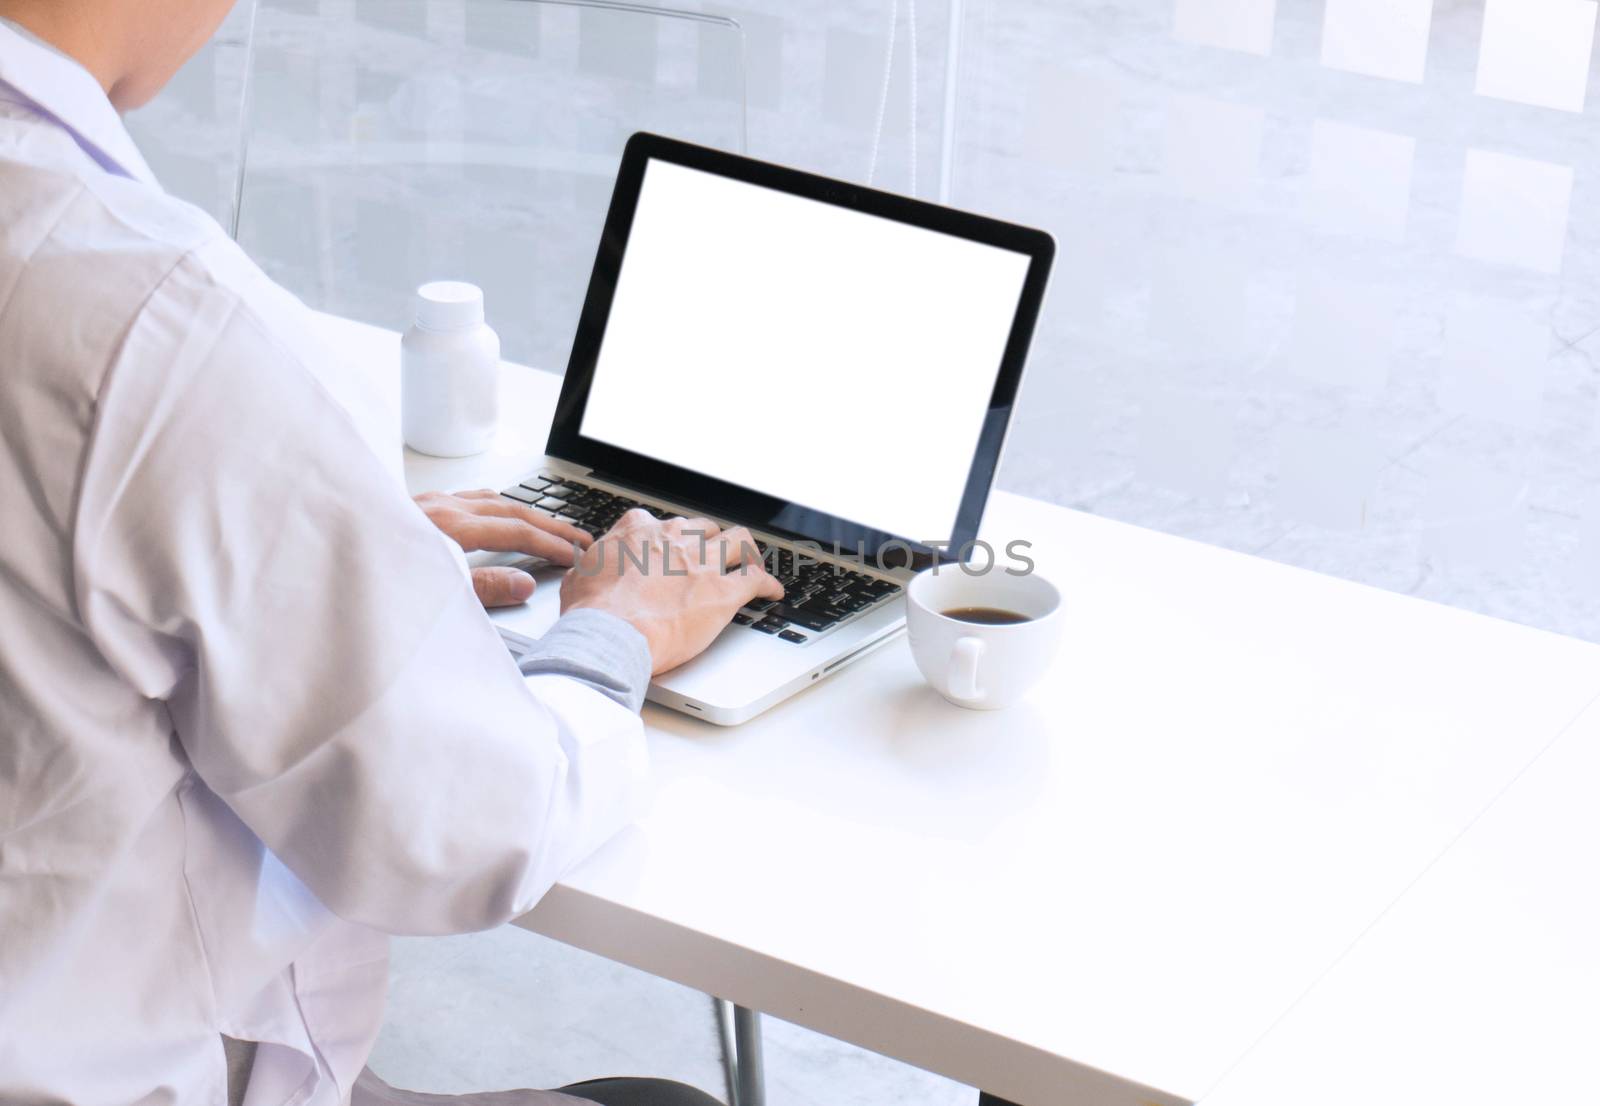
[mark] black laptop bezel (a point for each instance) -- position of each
(750, 507)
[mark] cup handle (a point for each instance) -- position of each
(964, 668)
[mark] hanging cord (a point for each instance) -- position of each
(883, 94)
(888, 80)
(911, 26)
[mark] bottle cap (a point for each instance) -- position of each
(449, 305)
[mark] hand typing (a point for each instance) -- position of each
(489, 521)
(678, 582)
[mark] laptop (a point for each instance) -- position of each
(831, 366)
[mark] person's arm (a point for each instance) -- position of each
(597, 649)
(327, 668)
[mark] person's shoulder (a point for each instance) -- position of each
(217, 314)
(112, 212)
(95, 252)
(88, 249)
(117, 278)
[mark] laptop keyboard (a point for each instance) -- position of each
(818, 595)
(589, 509)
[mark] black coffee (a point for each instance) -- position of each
(986, 616)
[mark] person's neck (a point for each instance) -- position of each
(74, 30)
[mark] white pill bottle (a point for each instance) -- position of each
(449, 373)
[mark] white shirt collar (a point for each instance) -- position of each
(66, 92)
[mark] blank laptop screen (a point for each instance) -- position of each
(834, 359)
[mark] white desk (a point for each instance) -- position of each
(1482, 984)
(1108, 894)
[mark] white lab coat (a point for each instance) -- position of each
(251, 717)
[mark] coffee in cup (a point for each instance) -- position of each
(985, 616)
(983, 640)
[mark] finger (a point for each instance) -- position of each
(633, 519)
(513, 535)
(501, 586)
(738, 546)
(693, 527)
(499, 507)
(751, 581)
(743, 561)
(477, 493)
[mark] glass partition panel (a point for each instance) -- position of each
(391, 142)
(1327, 282)
(1327, 285)
(189, 134)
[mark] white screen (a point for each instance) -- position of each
(834, 359)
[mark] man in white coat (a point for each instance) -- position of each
(252, 717)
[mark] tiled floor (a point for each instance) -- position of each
(1178, 164)
(509, 1008)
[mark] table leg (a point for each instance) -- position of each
(730, 1049)
(740, 1031)
(752, 1080)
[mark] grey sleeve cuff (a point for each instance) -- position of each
(594, 648)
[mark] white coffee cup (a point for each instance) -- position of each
(980, 665)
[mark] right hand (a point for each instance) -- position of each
(713, 572)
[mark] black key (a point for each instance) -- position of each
(522, 495)
(790, 635)
(742, 619)
(534, 484)
(771, 625)
(559, 490)
(758, 604)
(573, 511)
(811, 620)
(551, 503)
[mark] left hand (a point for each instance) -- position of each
(487, 520)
